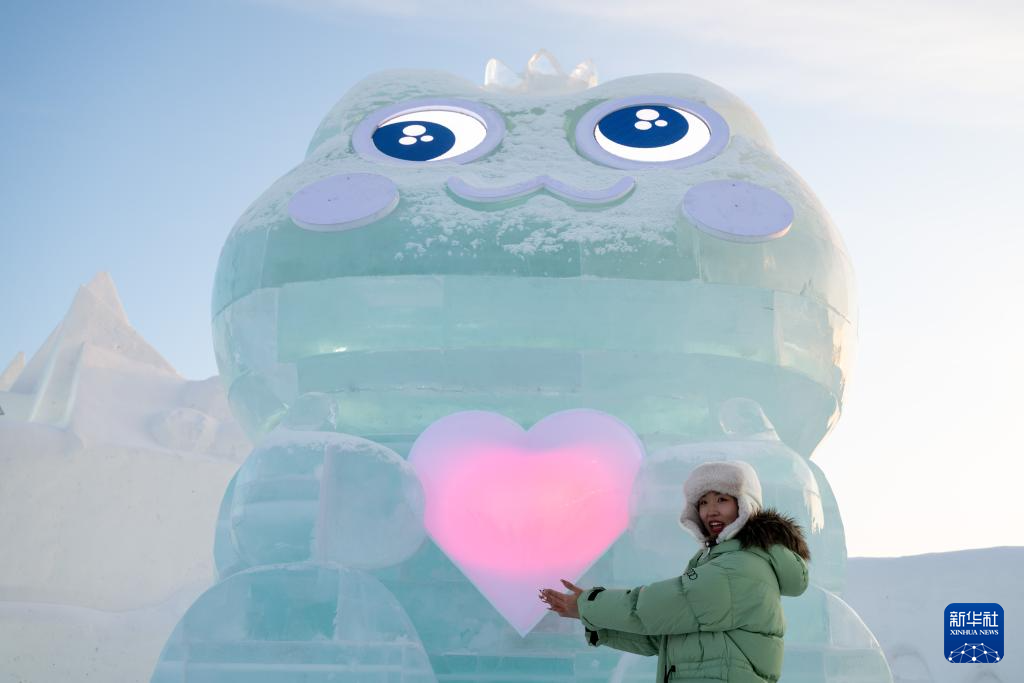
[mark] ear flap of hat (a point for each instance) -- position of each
(747, 506)
(689, 520)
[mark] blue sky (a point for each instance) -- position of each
(135, 133)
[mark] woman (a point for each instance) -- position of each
(722, 619)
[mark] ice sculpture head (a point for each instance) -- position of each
(636, 247)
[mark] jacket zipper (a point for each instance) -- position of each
(671, 670)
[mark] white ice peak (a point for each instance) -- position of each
(102, 287)
(44, 389)
(543, 74)
(12, 371)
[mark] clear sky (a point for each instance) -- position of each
(135, 133)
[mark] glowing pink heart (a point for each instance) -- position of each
(517, 511)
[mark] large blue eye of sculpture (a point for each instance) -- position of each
(636, 132)
(642, 127)
(463, 288)
(414, 140)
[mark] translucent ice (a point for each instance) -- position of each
(311, 623)
(322, 496)
(533, 246)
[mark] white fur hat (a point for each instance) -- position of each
(734, 477)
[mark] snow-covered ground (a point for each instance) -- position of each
(112, 468)
(902, 599)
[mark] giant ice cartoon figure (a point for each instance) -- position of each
(481, 336)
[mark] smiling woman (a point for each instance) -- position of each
(722, 619)
(717, 511)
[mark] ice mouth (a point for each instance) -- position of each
(542, 183)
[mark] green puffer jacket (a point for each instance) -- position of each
(722, 619)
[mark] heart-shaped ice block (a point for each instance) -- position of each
(518, 510)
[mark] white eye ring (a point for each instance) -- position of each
(469, 131)
(698, 135)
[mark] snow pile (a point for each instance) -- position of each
(902, 600)
(112, 468)
(133, 396)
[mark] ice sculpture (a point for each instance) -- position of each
(498, 258)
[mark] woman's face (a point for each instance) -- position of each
(717, 511)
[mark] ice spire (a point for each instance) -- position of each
(12, 371)
(543, 74)
(95, 320)
(102, 287)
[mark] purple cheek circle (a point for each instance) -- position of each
(738, 211)
(343, 202)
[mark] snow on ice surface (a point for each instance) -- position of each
(534, 143)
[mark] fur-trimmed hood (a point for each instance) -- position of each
(770, 527)
(761, 529)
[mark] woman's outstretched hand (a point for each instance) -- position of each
(563, 603)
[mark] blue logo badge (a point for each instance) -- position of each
(974, 633)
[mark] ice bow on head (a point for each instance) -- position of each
(543, 73)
